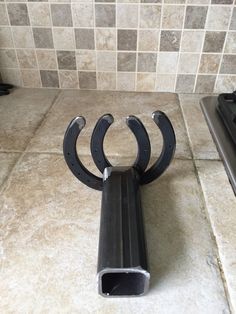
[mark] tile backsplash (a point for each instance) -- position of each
(134, 45)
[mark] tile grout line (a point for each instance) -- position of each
(136, 52)
(223, 48)
(201, 53)
(24, 152)
(35, 53)
(202, 197)
(180, 48)
(14, 46)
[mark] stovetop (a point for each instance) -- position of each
(221, 136)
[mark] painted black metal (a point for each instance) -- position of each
(142, 138)
(168, 148)
(72, 159)
(122, 246)
(97, 139)
(122, 258)
(140, 133)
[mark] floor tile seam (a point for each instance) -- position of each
(214, 238)
(22, 153)
(203, 200)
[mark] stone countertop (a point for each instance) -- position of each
(49, 222)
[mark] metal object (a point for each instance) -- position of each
(122, 257)
(221, 137)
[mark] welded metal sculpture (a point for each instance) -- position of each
(122, 257)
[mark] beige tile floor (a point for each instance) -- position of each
(49, 221)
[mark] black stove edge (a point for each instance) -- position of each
(221, 137)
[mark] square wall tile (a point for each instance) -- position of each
(172, 16)
(49, 78)
(146, 82)
(214, 41)
(83, 14)
(195, 17)
(87, 80)
(46, 59)
(205, 83)
(43, 37)
(170, 40)
(68, 79)
(106, 39)
(64, 38)
(150, 16)
(8, 58)
(125, 81)
(126, 61)
(127, 39)
(192, 41)
(165, 83)
(86, 60)
(61, 15)
(218, 18)
(84, 38)
(209, 63)
(228, 65)
(148, 40)
(106, 61)
(27, 58)
(3, 14)
(39, 14)
(66, 60)
(23, 37)
(31, 78)
(188, 63)
(106, 81)
(230, 46)
(147, 62)
(225, 83)
(127, 16)
(105, 15)
(11, 76)
(167, 62)
(18, 14)
(185, 83)
(5, 37)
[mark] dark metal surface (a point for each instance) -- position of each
(168, 148)
(72, 159)
(97, 139)
(140, 133)
(223, 141)
(122, 259)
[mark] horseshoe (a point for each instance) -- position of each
(72, 159)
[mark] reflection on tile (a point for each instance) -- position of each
(201, 141)
(58, 227)
(21, 113)
(222, 215)
(7, 161)
(92, 104)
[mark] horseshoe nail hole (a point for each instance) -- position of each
(72, 165)
(68, 154)
(95, 150)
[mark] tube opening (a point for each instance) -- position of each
(123, 283)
